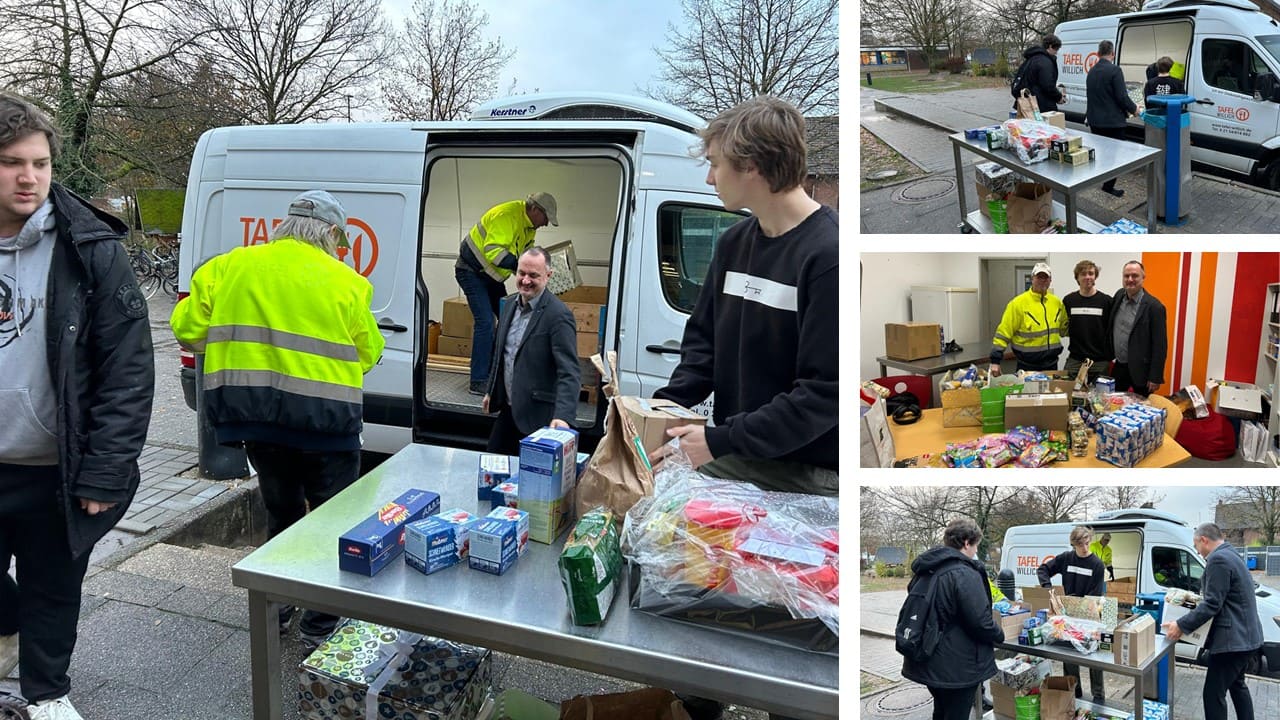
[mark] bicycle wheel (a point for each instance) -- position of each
(148, 279)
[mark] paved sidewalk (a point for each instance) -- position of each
(916, 126)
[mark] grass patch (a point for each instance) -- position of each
(882, 584)
(876, 156)
(868, 683)
(901, 82)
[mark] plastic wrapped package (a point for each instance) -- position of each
(1031, 139)
(729, 555)
(1083, 635)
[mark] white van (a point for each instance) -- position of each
(1143, 542)
(1231, 53)
(632, 199)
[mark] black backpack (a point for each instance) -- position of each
(917, 633)
(1019, 79)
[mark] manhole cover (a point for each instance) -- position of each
(882, 174)
(903, 700)
(924, 190)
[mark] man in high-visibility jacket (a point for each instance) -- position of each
(1033, 326)
(1102, 548)
(486, 258)
(287, 336)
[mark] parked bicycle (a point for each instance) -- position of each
(155, 268)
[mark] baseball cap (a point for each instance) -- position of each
(1041, 268)
(545, 201)
(320, 205)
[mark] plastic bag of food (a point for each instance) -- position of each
(1083, 635)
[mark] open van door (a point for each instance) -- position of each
(679, 238)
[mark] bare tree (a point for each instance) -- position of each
(1117, 497)
(1063, 503)
(75, 57)
(926, 24)
(926, 510)
(445, 65)
(727, 51)
(296, 60)
(1256, 507)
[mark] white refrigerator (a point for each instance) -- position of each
(954, 308)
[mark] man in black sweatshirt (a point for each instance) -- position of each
(1082, 574)
(764, 331)
(1088, 320)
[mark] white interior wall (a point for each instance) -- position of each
(587, 192)
(887, 279)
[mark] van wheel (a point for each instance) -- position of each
(1271, 176)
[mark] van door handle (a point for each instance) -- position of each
(392, 325)
(1206, 101)
(662, 349)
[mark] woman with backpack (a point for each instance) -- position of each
(945, 631)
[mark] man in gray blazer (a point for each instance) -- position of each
(1236, 634)
(534, 376)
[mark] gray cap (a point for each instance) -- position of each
(545, 201)
(320, 205)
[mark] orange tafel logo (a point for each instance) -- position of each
(1090, 61)
(1242, 114)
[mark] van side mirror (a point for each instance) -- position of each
(1266, 87)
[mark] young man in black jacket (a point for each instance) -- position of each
(75, 345)
(1108, 106)
(1039, 73)
(763, 331)
(1088, 323)
(965, 656)
(1083, 574)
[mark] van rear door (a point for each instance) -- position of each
(680, 231)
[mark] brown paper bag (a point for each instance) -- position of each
(646, 704)
(1058, 698)
(1027, 105)
(1029, 208)
(618, 473)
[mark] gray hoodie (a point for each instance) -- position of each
(26, 389)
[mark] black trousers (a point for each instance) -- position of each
(1124, 380)
(505, 437)
(1226, 676)
(290, 480)
(43, 604)
(1110, 132)
(953, 703)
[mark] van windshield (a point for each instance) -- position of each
(1271, 43)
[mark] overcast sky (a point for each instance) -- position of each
(602, 45)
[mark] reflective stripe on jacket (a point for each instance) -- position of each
(287, 336)
(502, 234)
(1033, 326)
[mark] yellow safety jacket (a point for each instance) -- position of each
(1102, 551)
(1033, 325)
(287, 336)
(502, 234)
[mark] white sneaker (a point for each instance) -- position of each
(60, 709)
(8, 654)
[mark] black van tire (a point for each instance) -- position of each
(1270, 175)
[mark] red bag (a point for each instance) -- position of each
(1208, 438)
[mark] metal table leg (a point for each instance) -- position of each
(264, 657)
(1070, 198)
(964, 209)
(883, 370)
(1151, 193)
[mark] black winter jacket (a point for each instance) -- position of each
(965, 656)
(1107, 102)
(1040, 71)
(100, 358)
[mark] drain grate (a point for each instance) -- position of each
(924, 190)
(904, 700)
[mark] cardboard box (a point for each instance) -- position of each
(1124, 590)
(440, 681)
(520, 518)
(876, 440)
(1174, 612)
(1134, 640)
(961, 407)
(548, 518)
(1012, 624)
(1239, 400)
(1043, 598)
(493, 471)
(653, 417)
(494, 545)
(1046, 411)
(1067, 144)
(505, 494)
(912, 340)
(457, 320)
(454, 346)
(564, 267)
(588, 317)
(548, 464)
(439, 541)
(379, 539)
(1030, 208)
(591, 294)
(588, 344)
(1055, 118)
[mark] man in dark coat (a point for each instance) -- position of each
(534, 376)
(1236, 634)
(79, 375)
(1108, 106)
(965, 656)
(1139, 334)
(1039, 73)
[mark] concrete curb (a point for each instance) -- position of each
(891, 110)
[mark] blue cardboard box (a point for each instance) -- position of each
(583, 458)
(506, 494)
(439, 541)
(494, 545)
(369, 546)
(548, 464)
(494, 470)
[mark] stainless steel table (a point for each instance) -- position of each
(1113, 158)
(1104, 661)
(522, 612)
(974, 352)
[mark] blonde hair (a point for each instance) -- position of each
(765, 133)
(1080, 534)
